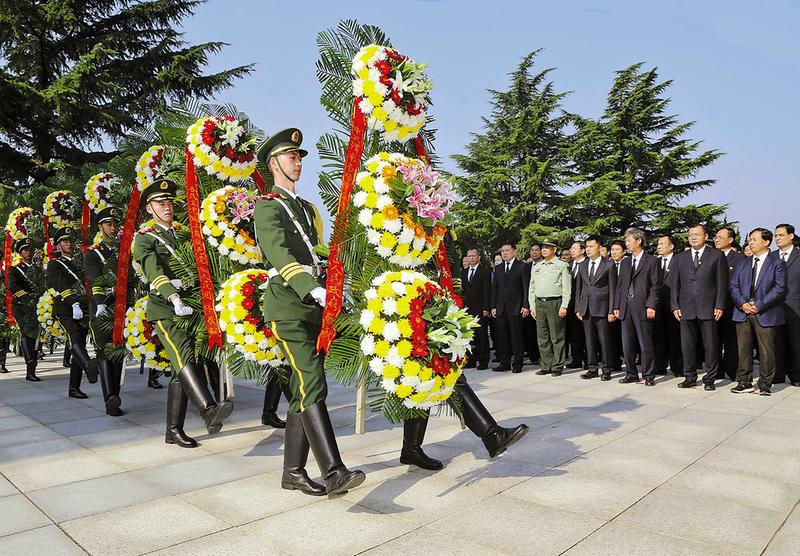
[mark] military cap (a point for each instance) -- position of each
(61, 234)
(109, 214)
(21, 244)
(550, 242)
(159, 190)
(285, 141)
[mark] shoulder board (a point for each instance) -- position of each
(270, 196)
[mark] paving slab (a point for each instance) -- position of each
(48, 540)
(18, 514)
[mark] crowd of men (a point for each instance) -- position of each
(615, 307)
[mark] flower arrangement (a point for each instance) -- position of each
(223, 147)
(148, 167)
(404, 206)
(44, 313)
(97, 189)
(394, 91)
(139, 338)
(23, 222)
(62, 208)
(241, 319)
(227, 219)
(416, 337)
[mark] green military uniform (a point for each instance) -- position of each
(26, 294)
(287, 229)
(549, 291)
(66, 277)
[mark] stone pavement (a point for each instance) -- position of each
(606, 469)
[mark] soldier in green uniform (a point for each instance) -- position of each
(100, 265)
(287, 229)
(26, 295)
(152, 249)
(66, 277)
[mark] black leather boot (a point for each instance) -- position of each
(412, 454)
(89, 366)
(295, 456)
(272, 395)
(319, 431)
(478, 419)
(152, 380)
(28, 347)
(109, 383)
(212, 377)
(67, 361)
(75, 373)
(176, 415)
(3, 355)
(193, 381)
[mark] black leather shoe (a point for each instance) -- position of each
(32, 378)
(605, 377)
(152, 381)
(76, 393)
(109, 384)
(501, 369)
(796, 383)
(628, 379)
(517, 370)
(687, 383)
(649, 381)
(588, 375)
(709, 387)
(498, 439)
(272, 395)
(3, 370)
(295, 457)
(272, 420)
(482, 367)
(176, 415)
(412, 453)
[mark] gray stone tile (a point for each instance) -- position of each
(689, 514)
(538, 530)
(760, 464)
(142, 528)
(434, 543)
(16, 422)
(19, 453)
(237, 541)
(785, 540)
(148, 454)
(59, 470)
(94, 496)
(117, 438)
(6, 411)
(27, 435)
(92, 425)
(726, 420)
(48, 540)
(64, 415)
(195, 473)
(19, 515)
(6, 488)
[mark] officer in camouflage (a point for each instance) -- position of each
(287, 229)
(152, 249)
(65, 276)
(100, 266)
(26, 295)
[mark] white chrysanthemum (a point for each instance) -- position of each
(389, 306)
(391, 332)
(368, 344)
(366, 318)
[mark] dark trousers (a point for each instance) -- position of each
(510, 340)
(787, 352)
(531, 341)
(638, 338)
(765, 337)
(599, 344)
(692, 332)
(668, 343)
(728, 347)
(616, 341)
(576, 341)
(480, 343)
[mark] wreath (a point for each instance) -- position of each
(23, 222)
(97, 189)
(223, 147)
(44, 313)
(140, 340)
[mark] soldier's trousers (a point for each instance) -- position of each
(179, 347)
(75, 331)
(298, 340)
(99, 337)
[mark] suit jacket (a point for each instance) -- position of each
(769, 293)
(595, 295)
(733, 258)
(509, 290)
(477, 294)
(666, 278)
(697, 292)
(574, 283)
(791, 305)
(646, 287)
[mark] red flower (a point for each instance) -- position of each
(230, 153)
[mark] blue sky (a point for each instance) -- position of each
(735, 67)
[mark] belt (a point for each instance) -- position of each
(548, 298)
(273, 272)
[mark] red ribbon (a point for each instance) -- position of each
(259, 179)
(440, 257)
(86, 222)
(335, 275)
(123, 263)
(200, 255)
(6, 269)
(49, 249)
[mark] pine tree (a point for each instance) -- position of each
(513, 168)
(634, 165)
(75, 75)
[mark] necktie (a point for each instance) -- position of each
(783, 256)
(591, 270)
(753, 279)
(696, 259)
(508, 267)
(663, 265)
(630, 282)
(616, 267)
(471, 274)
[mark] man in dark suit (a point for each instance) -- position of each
(617, 253)
(699, 292)
(476, 289)
(668, 330)
(509, 307)
(636, 302)
(758, 288)
(787, 341)
(596, 285)
(575, 335)
(728, 344)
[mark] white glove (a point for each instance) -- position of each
(181, 309)
(77, 314)
(319, 296)
(177, 283)
(101, 310)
